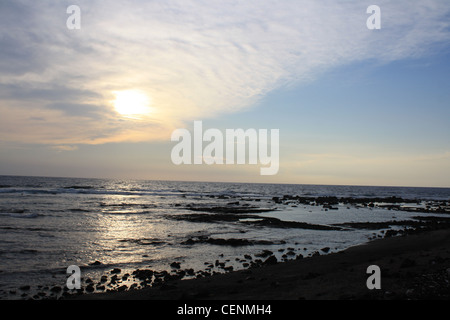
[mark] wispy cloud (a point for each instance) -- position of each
(195, 59)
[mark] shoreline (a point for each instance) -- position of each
(413, 266)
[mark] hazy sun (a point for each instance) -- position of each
(132, 103)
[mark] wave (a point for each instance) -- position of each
(80, 187)
(19, 215)
(124, 212)
(87, 191)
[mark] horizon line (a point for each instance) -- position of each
(230, 182)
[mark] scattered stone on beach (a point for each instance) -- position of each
(25, 288)
(175, 265)
(100, 288)
(225, 242)
(56, 289)
(96, 263)
(264, 254)
(116, 271)
(326, 249)
(90, 288)
(270, 260)
(122, 288)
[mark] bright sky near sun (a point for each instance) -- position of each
(353, 105)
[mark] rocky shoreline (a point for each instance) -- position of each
(161, 281)
(140, 281)
(416, 266)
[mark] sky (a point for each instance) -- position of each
(354, 106)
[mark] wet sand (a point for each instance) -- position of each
(413, 266)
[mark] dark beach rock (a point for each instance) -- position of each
(264, 254)
(326, 249)
(96, 263)
(225, 242)
(122, 288)
(228, 269)
(56, 289)
(253, 220)
(270, 260)
(116, 271)
(175, 265)
(90, 288)
(25, 288)
(143, 275)
(231, 209)
(190, 272)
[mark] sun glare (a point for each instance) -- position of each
(132, 103)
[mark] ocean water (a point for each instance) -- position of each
(48, 224)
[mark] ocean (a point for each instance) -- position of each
(49, 224)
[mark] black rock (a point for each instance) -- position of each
(270, 260)
(90, 288)
(56, 289)
(122, 288)
(175, 265)
(116, 271)
(264, 254)
(101, 288)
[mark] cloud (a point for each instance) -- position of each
(64, 148)
(195, 59)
